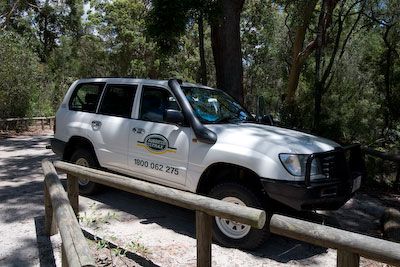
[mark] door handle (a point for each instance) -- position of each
(138, 130)
(96, 124)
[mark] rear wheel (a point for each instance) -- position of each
(85, 158)
(230, 233)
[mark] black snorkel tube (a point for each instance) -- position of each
(203, 134)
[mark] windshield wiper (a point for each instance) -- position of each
(229, 120)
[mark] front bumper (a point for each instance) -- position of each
(316, 196)
(343, 169)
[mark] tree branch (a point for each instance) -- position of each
(8, 15)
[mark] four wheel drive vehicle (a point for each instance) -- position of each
(199, 139)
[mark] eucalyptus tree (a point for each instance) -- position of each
(167, 22)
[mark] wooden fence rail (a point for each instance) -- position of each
(350, 246)
(5, 123)
(205, 207)
(58, 211)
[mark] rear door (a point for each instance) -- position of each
(82, 110)
(158, 150)
(110, 128)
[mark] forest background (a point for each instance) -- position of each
(330, 67)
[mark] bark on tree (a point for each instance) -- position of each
(203, 66)
(298, 55)
(226, 46)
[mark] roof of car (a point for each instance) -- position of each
(122, 80)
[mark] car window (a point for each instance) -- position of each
(86, 97)
(118, 100)
(215, 106)
(155, 100)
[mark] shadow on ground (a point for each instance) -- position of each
(182, 221)
(44, 245)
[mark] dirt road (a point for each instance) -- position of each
(156, 234)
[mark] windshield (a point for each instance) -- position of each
(215, 106)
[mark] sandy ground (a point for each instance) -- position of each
(154, 233)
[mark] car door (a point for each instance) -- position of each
(111, 127)
(82, 105)
(158, 150)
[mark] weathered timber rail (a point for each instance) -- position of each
(16, 123)
(350, 246)
(205, 207)
(75, 250)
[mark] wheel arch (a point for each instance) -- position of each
(78, 142)
(221, 172)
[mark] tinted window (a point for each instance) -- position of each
(86, 97)
(155, 101)
(118, 100)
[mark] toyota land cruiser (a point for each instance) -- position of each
(200, 139)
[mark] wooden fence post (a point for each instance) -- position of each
(347, 259)
(204, 238)
(73, 193)
(50, 226)
(42, 123)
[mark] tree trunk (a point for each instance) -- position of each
(318, 84)
(225, 38)
(297, 59)
(203, 66)
(387, 82)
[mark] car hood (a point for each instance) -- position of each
(272, 139)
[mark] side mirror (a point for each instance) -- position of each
(174, 116)
(266, 119)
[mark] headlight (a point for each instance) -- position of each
(295, 164)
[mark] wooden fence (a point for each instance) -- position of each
(23, 123)
(205, 207)
(350, 246)
(59, 213)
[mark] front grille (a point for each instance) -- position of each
(338, 164)
(328, 166)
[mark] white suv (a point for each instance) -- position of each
(199, 139)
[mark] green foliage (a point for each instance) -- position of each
(21, 78)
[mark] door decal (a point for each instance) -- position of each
(156, 144)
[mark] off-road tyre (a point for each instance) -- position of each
(86, 158)
(255, 237)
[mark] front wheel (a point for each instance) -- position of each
(85, 158)
(230, 233)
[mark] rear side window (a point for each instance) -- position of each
(118, 100)
(86, 97)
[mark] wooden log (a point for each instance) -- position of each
(73, 193)
(204, 238)
(325, 236)
(382, 155)
(50, 226)
(347, 259)
(391, 224)
(214, 207)
(76, 248)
